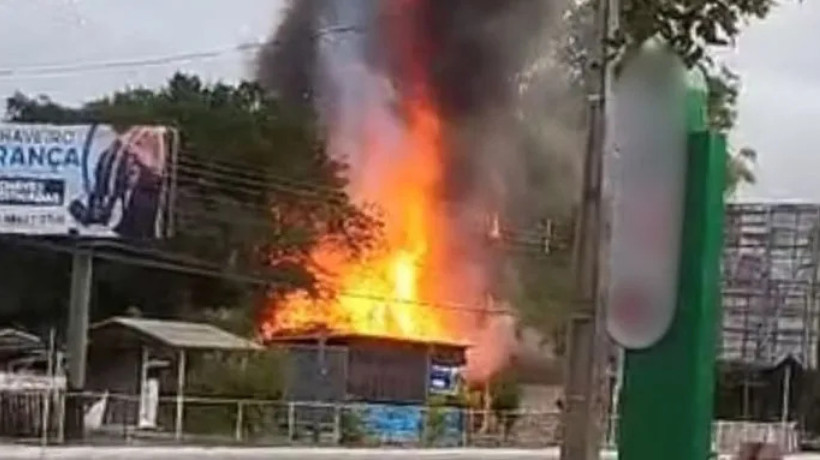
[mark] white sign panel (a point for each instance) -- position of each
(149, 403)
(649, 135)
(88, 180)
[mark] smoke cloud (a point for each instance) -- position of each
(512, 126)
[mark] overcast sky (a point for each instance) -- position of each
(780, 104)
(777, 58)
(36, 33)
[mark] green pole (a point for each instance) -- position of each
(668, 389)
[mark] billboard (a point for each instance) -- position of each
(85, 180)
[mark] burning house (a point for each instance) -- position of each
(361, 368)
(441, 125)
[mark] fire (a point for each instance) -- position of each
(388, 292)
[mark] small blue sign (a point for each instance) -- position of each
(444, 380)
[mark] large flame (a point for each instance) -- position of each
(429, 280)
(385, 292)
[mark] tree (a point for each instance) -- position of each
(255, 191)
(724, 88)
(691, 27)
(506, 399)
(740, 169)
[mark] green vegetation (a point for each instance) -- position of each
(352, 428)
(256, 190)
(691, 27)
(254, 376)
(543, 291)
(435, 421)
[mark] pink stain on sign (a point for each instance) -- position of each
(631, 307)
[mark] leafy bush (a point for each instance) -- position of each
(352, 428)
(242, 377)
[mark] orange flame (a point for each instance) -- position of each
(385, 293)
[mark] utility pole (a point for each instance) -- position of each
(78, 314)
(586, 344)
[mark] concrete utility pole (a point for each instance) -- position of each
(78, 313)
(586, 344)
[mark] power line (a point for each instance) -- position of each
(230, 182)
(194, 266)
(250, 174)
(154, 61)
(52, 70)
(265, 218)
(507, 241)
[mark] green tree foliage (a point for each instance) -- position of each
(690, 27)
(506, 400)
(255, 191)
(724, 88)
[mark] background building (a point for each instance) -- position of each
(770, 272)
(770, 309)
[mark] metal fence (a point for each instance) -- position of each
(114, 418)
(729, 436)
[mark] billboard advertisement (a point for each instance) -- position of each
(85, 180)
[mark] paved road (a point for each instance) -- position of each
(191, 453)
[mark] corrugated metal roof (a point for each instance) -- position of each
(16, 340)
(338, 336)
(184, 335)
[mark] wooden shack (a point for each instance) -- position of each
(363, 368)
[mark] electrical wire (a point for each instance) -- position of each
(252, 177)
(232, 169)
(251, 170)
(530, 246)
(53, 70)
(193, 266)
(224, 175)
(222, 180)
(153, 61)
(204, 178)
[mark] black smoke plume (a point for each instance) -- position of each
(512, 125)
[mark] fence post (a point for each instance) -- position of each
(423, 430)
(180, 401)
(61, 417)
(46, 413)
(337, 424)
(240, 415)
(465, 427)
(291, 421)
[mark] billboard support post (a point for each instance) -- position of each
(86, 181)
(78, 316)
(668, 388)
